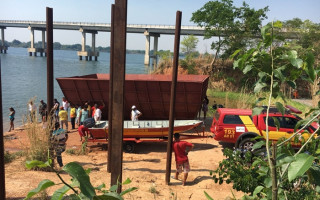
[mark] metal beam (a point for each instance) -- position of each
(110, 90)
(119, 60)
(173, 94)
(2, 170)
(49, 30)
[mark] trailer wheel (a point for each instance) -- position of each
(128, 147)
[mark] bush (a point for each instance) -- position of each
(237, 168)
(9, 157)
(39, 137)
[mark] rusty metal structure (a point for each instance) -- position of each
(149, 93)
(173, 94)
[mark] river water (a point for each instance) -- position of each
(24, 77)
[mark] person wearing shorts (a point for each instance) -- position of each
(181, 149)
(83, 132)
(11, 117)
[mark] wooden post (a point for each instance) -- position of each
(173, 94)
(110, 90)
(49, 30)
(2, 170)
(119, 60)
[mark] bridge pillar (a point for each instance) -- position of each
(147, 51)
(88, 54)
(3, 48)
(32, 48)
(155, 47)
(43, 43)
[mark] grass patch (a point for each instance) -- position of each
(72, 151)
(246, 100)
(9, 157)
(39, 136)
(220, 94)
(82, 151)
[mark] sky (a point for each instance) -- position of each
(159, 12)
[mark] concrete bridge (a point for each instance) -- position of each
(93, 29)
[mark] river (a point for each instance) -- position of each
(25, 77)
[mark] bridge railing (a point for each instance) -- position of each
(189, 27)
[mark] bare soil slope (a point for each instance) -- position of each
(146, 168)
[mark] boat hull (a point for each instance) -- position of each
(146, 129)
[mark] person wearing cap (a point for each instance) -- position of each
(135, 113)
(43, 111)
(63, 116)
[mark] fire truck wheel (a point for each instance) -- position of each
(247, 144)
(128, 147)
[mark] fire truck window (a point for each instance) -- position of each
(272, 123)
(232, 119)
(290, 122)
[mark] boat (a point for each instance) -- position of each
(144, 128)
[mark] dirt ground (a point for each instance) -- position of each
(145, 167)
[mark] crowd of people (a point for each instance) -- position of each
(61, 114)
(78, 114)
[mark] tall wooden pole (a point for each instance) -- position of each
(119, 60)
(173, 93)
(2, 170)
(49, 29)
(110, 90)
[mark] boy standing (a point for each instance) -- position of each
(181, 149)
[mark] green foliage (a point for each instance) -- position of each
(39, 137)
(250, 173)
(80, 184)
(9, 157)
(237, 168)
(275, 62)
(188, 45)
(165, 55)
(230, 24)
(189, 65)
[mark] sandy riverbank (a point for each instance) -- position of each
(145, 167)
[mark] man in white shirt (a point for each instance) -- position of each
(97, 113)
(65, 104)
(135, 113)
(32, 110)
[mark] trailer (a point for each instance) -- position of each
(147, 131)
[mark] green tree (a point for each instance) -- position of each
(278, 64)
(57, 45)
(309, 40)
(188, 45)
(15, 43)
(233, 26)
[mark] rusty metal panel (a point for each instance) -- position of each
(150, 93)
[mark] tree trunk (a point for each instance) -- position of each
(314, 89)
(273, 170)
